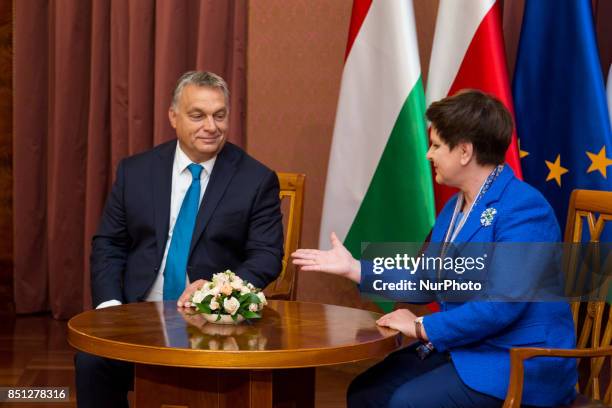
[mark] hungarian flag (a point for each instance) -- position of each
(379, 185)
(468, 52)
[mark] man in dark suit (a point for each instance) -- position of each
(176, 215)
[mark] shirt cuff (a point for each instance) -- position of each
(108, 303)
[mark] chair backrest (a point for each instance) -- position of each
(593, 208)
(292, 206)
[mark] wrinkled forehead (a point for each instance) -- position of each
(204, 98)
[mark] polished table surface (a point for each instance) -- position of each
(289, 335)
(182, 361)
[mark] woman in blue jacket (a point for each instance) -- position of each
(467, 344)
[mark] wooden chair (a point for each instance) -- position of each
(292, 205)
(594, 207)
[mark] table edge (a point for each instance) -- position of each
(242, 359)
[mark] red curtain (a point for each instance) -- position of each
(92, 84)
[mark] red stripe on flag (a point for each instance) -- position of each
(360, 11)
(484, 67)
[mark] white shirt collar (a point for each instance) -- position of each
(181, 161)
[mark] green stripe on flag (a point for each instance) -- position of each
(399, 203)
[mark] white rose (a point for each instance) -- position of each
(244, 290)
(237, 283)
(214, 305)
(214, 291)
(253, 307)
(262, 297)
(220, 278)
(250, 286)
(198, 296)
(263, 300)
(231, 305)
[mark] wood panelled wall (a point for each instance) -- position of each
(6, 157)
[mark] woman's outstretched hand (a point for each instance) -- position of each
(337, 261)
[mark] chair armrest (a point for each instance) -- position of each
(517, 355)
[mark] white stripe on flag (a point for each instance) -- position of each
(379, 73)
(456, 25)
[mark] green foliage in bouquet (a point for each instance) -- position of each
(228, 294)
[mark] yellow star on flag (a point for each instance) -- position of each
(599, 162)
(522, 153)
(555, 170)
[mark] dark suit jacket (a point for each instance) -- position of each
(238, 227)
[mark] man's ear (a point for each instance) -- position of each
(172, 117)
(467, 152)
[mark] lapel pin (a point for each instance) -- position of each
(486, 218)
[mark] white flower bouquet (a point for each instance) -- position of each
(228, 299)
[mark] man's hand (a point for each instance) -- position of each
(337, 261)
(184, 300)
(401, 320)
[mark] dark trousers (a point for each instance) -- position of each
(102, 382)
(404, 380)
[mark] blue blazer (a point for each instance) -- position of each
(238, 227)
(479, 334)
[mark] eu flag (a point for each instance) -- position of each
(560, 101)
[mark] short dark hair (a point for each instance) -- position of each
(475, 117)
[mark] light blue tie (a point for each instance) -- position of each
(176, 262)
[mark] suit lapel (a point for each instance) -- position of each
(473, 224)
(162, 190)
(223, 171)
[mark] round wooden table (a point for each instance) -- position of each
(182, 361)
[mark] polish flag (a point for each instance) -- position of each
(468, 52)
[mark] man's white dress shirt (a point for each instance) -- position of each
(181, 180)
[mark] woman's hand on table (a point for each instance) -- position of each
(337, 261)
(401, 320)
